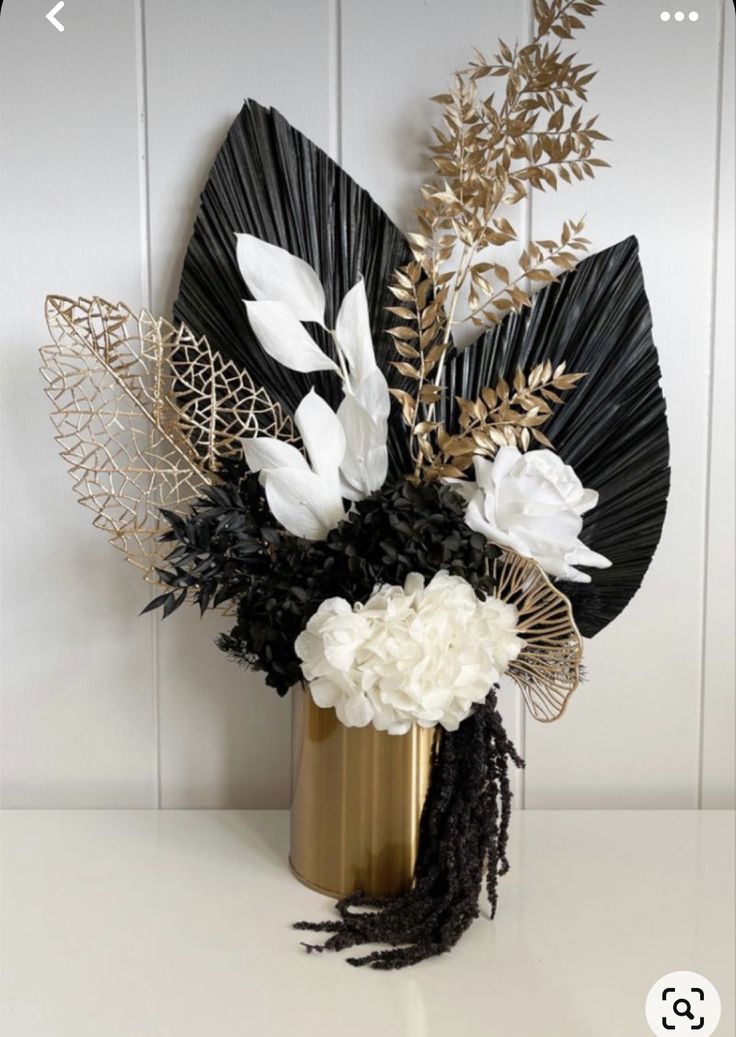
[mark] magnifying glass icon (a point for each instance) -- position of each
(687, 1013)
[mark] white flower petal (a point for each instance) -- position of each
(401, 727)
(274, 275)
(464, 487)
(504, 461)
(353, 332)
(302, 502)
(355, 711)
(558, 566)
(308, 647)
(264, 452)
(324, 692)
(582, 555)
(285, 339)
(484, 471)
(322, 434)
(586, 502)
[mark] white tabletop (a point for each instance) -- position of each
(177, 923)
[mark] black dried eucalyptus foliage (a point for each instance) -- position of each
(229, 549)
(462, 844)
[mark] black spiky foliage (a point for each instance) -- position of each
(271, 181)
(612, 429)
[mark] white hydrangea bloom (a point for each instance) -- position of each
(410, 655)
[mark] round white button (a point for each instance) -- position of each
(683, 1002)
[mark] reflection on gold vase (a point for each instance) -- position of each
(357, 797)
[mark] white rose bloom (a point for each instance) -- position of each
(409, 655)
(533, 503)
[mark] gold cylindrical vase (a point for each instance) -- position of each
(357, 798)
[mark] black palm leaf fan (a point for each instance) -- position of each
(612, 429)
(271, 181)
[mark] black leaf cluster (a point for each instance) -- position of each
(220, 545)
(229, 550)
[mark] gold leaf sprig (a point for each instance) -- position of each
(504, 415)
(491, 150)
(419, 342)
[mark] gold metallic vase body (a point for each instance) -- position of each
(357, 797)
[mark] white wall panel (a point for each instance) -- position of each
(109, 130)
(630, 737)
(719, 692)
(224, 735)
(76, 662)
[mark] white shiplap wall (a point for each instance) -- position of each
(108, 133)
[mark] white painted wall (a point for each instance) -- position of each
(108, 132)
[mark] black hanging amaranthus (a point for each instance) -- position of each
(462, 842)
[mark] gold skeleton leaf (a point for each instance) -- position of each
(548, 668)
(144, 413)
(492, 148)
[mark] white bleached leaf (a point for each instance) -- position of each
(302, 502)
(322, 435)
(373, 396)
(365, 463)
(263, 452)
(353, 332)
(285, 339)
(274, 275)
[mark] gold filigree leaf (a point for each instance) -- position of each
(548, 669)
(134, 432)
(215, 402)
(115, 429)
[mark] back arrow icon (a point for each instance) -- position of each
(51, 16)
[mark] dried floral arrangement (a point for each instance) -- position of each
(393, 519)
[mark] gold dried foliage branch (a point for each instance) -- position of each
(505, 415)
(493, 147)
(144, 413)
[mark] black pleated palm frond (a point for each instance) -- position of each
(271, 181)
(612, 428)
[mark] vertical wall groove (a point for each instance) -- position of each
(709, 425)
(521, 710)
(146, 293)
(335, 79)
